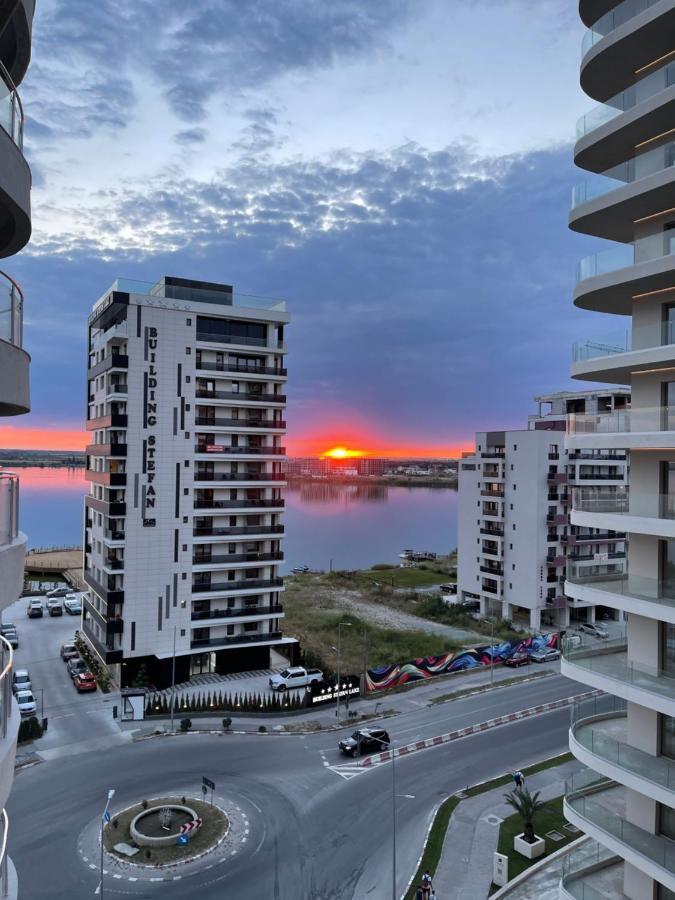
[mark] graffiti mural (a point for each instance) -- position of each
(385, 677)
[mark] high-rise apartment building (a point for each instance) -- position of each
(16, 22)
(626, 799)
(516, 543)
(184, 514)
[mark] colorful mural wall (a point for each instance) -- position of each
(455, 661)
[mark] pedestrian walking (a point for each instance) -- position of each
(519, 780)
(426, 886)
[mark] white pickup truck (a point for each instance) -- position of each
(295, 677)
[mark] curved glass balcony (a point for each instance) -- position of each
(610, 578)
(592, 872)
(11, 311)
(647, 87)
(643, 419)
(657, 160)
(612, 20)
(11, 109)
(654, 246)
(600, 726)
(641, 338)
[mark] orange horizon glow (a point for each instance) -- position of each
(17, 437)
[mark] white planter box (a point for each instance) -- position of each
(531, 851)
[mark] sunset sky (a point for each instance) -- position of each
(392, 170)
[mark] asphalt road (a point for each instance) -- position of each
(318, 830)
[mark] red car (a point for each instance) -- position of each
(84, 682)
(518, 659)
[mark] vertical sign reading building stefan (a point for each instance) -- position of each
(150, 424)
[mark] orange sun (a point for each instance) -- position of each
(342, 453)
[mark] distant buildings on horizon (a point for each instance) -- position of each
(365, 466)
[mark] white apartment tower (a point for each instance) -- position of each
(183, 528)
(626, 799)
(516, 543)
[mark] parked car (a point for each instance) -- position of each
(21, 681)
(365, 740)
(72, 605)
(570, 641)
(599, 631)
(69, 651)
(300, 570)
(518, 659)
(7, 626)
(35, 610)
(84, 682)
(76, 666)
(13, 637)
(295, 677)
(54, 606)
(449, 588)
(58, 592)
(26, 703)
(546, 655)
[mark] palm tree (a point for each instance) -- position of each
(527, 805)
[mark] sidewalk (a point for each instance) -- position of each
(465, 866)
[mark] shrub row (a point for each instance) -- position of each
(29, 730)
(94, 665)
(160, 704)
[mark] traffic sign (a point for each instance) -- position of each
(208, 783)
(183, 839)
(106, 816)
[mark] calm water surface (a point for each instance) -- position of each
(352, 525)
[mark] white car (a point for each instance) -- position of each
(295, 677)
(26, 703)
(595, 629)
(21, 681)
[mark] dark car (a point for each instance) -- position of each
(76, 666)
(365, 740)
(518, 659)
(10, 634)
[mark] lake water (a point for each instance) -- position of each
(353, 525)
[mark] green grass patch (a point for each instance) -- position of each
(507, 682)
(549, 818)
(434, 848)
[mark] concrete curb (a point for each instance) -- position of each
(532, 870)
(386, 755)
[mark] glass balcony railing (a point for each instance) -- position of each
(11, 311)
(592, 872)
(654, 246)
(600, 726)
(9, 507)
(646, 87)
(162, 290)
(611, 578)
(621, 14)
(644, 337)
(645, 419)
(602, 804)
(657, 160)
(11, 110)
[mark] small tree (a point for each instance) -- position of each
(527, 805)
(227, 722)
(185, 724)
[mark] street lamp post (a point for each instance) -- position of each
(340, 625)
(104, 817)
(393, 815)
(492, 650)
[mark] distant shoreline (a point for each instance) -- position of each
(391, 480)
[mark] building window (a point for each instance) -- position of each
(188, 322)
(184, 548)
(187, 379)
(188, 351)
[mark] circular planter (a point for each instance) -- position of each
(141, 839)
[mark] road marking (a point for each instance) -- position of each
(348, 771)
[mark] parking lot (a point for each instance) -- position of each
(72, 717)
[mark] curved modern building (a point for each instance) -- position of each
(626, 798)
(16, 20)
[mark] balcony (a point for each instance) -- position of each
(112, 361)
(112, 535)
(241, 396)
(108, 479)
(605, 665)
(108, 652)
(223, 450)
(236, 639)
(255, 424)
(256, 371)
(15, 177)
(598, 807)
(14, 361)
(274, 346)
(112, 420)
(107, 592)
(598, 738)
(556, 478)
(557, 519)
(610, 585)
(229, 558)
(592, 872)
(242, 612)
(114, 509)
(487, 492)
(237, 530)
(242, 585)
(578, 556)
(614, 509)
(205, 503)
(614, 356)
(239, 476)
(113, 449)
(12, 541)
(553, 562)
(494, 532)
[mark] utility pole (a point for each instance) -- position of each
(104, 819)
(339, 645)
(492, 650)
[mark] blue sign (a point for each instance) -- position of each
(106, 816)
(183, 839)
